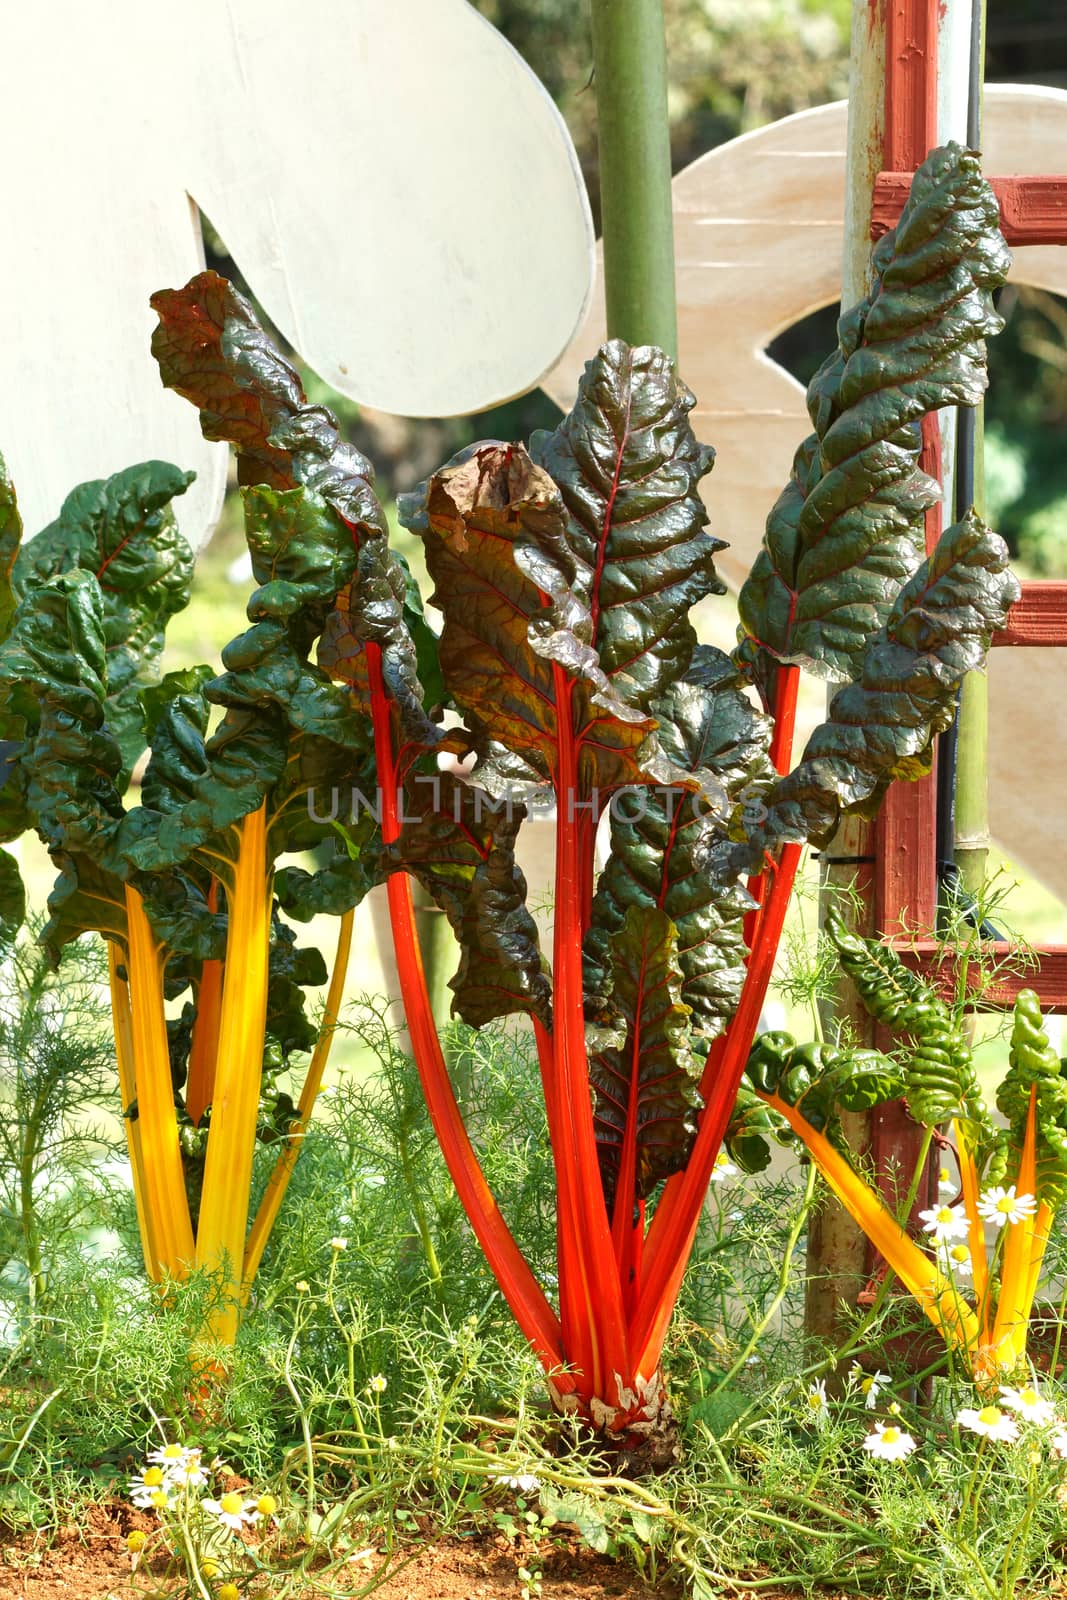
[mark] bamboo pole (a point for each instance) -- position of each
(971, 843)
(837, 1248)
(630, 62)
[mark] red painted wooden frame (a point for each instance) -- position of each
(1032, 210)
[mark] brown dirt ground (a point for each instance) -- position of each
(89, 1562)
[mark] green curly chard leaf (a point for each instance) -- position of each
(1033, 1066)
(661, 838)
(645, 1088)
(122, 529)
(848, 530)
(820, 1081)
(882, 727)
(751, 1127)
(939, 1077)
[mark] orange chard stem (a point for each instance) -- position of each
(521, 1290)
(122, 1024)
(1013, 1310)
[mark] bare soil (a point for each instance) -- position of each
(90, 1562)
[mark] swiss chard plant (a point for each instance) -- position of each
(990, 1237)
(566, 672)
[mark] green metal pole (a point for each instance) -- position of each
(630, 61)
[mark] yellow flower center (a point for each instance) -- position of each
(959, 1252)
(944, 1214)
(172, 1452)
(229, 1591)
(989, 1415)
(1006, 1205)
(231, 1503)
(266, 1505)
(867, 1385)
(815, 1402)
(209, 1568)
(890, 1435)
(942, 1176)
(1028, 1397)
(153, 1477)
(136, 1540)
(159, 1499)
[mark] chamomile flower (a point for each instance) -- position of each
(816, 1403)
(946, 1183)
(990, 1422)
(378, 1384)
(232, 1510)
(944, 1223)
(871, 1387)
(264, 1506)
(167, 1455)
(187, 1473)
(889, 1443)
(229, 1591)
(524, 1482)
(1028, 1405)
(338, 1244)
(998, 1206)
(1058, 1444)
(148, 1491)
(956, 1259)
(724, 1168)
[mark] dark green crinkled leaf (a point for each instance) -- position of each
(603, 517)
(649, 1080)
(881, 727)
(635, 554)
(460, 845)
(661, 838)
(10, 539)
(122, 529)
(847, 531)
(1035, 1066)
(12, 898)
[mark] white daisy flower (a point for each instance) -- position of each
(956, 1259)
(525, 1482)
(187, 1473)
(817, 1406)
(167, 1455)
(990, 1422)
(998, 1206)
(946, 1183)
(944, 1223)
(871, 1386)
(378, 1384)
(1028, 1404)
(149, 1490)
(724, 1168)
(1058, 1444)
(889, 1443)
(232, 1510)
(338, 1243)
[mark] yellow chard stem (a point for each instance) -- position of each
(1013, 1309)
(166, 1204)
(200, 1084)
(220, 1241)
(274, 1193)
(936, 1294)
(975, 1228)
(122, 1026)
